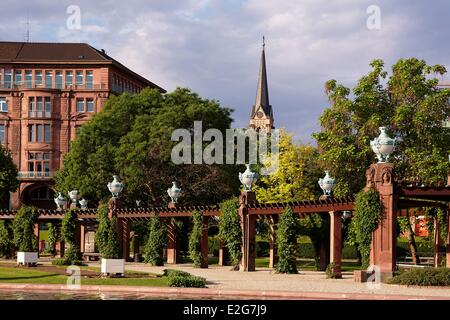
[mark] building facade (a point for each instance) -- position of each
(47, 92)
(261, 116)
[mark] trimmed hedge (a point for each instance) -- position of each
(423, 277)
(177, 278)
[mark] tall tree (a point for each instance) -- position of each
(131, 137)
(8, 173)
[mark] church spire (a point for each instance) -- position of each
(261, 116)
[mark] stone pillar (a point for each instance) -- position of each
(204, 242)
(222, 253)
(437, 242)
(273, 255)
(447, 240)
(125, 239)
(336, 242)
(82, 237)
(136, 248)
(172, 243)
(248, 226)
(381, 177)
(36, 234)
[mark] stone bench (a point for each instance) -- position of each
(91, 256)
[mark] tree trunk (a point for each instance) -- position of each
(412, 240)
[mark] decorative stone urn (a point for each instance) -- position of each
(83, 203)
(327, 183)
(248, 178)
(60, 201)
(174, 192)
(383, 146)
(74, 195)
(115, 187)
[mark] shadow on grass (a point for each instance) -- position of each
(30, 277)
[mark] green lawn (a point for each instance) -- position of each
(27, 275)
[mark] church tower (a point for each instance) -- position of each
(261, 117)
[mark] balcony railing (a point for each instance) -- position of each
(43, 85)
(35, 175)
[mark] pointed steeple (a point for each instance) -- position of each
(262, 110)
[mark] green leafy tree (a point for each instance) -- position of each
(131, 137)
(106, 234)
(409, 103)
(287, 242)
(195, 239)
(68, 233)
(53, 237)
(230, 230)
(157, 241)
(6, 236)
(23, 228)
(8, 173)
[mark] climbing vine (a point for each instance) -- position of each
(286, 236)
(53, 237)
(157, 240)
(368, 212)
(6, 244)
(195, 239)
(68, 233)
(230, 230)
(23, 226)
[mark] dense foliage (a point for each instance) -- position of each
(131, 137)
(367, 215)
(177, 278)
(8, 173)
(423, 277)
(230, 230)
(408, 102)
(195, 239)
(106, 235)
(23, 227)
(68, 233)
(6, 239)
(53, 237)
(157, 241)
(286, 236)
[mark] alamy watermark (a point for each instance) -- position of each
(74, 280)
(73, 22)
(373, 21)
(241, 146)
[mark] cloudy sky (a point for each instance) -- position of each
(213, 46)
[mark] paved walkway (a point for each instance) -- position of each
(264, 279)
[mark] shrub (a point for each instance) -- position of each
(230, 230)
(6, 244)
(329, 272)
(173, 272)
(286, 236)
(423, 277)
(23, 226)
(53, 237)
(189, 281)
(368, 211)
(106, 236)
(195, 239)
(66, 262)
(157, 241)
(68, 233)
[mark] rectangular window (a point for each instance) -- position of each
(39, 163)
(31, 107)
(89, 79)
(3, 104)
(80, 105)
(31, 133)
(28, 78)
(38, 78)
(39, 133)
(48, 79)
(47, 133)
(69, 78)
(8, 78)
(46, 169)
(79, 77)
(90, 105)
(47, 107)
(59, 80)
(18, 77)
(2, 133)
(39, 107)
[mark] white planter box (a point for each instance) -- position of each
(27, 257)
(113, 266)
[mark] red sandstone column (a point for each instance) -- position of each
(447, 244)
(125, 239)
(381, 177)
(221, 252)
(36, 234)
(437, 242)
(336, 242)
(272, 242)
(204, 243)
(82, 237)
(172, 252)
(248, 225)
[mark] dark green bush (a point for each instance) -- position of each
(157, 241)
(423, 277)
(68, 230)
(230, 230)
(186, 281)
(173, 272)
(195, 239)
(65, 262)
(53, 237)
(262, 249)
(23, 226)
(6, 236)
(286, 236)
